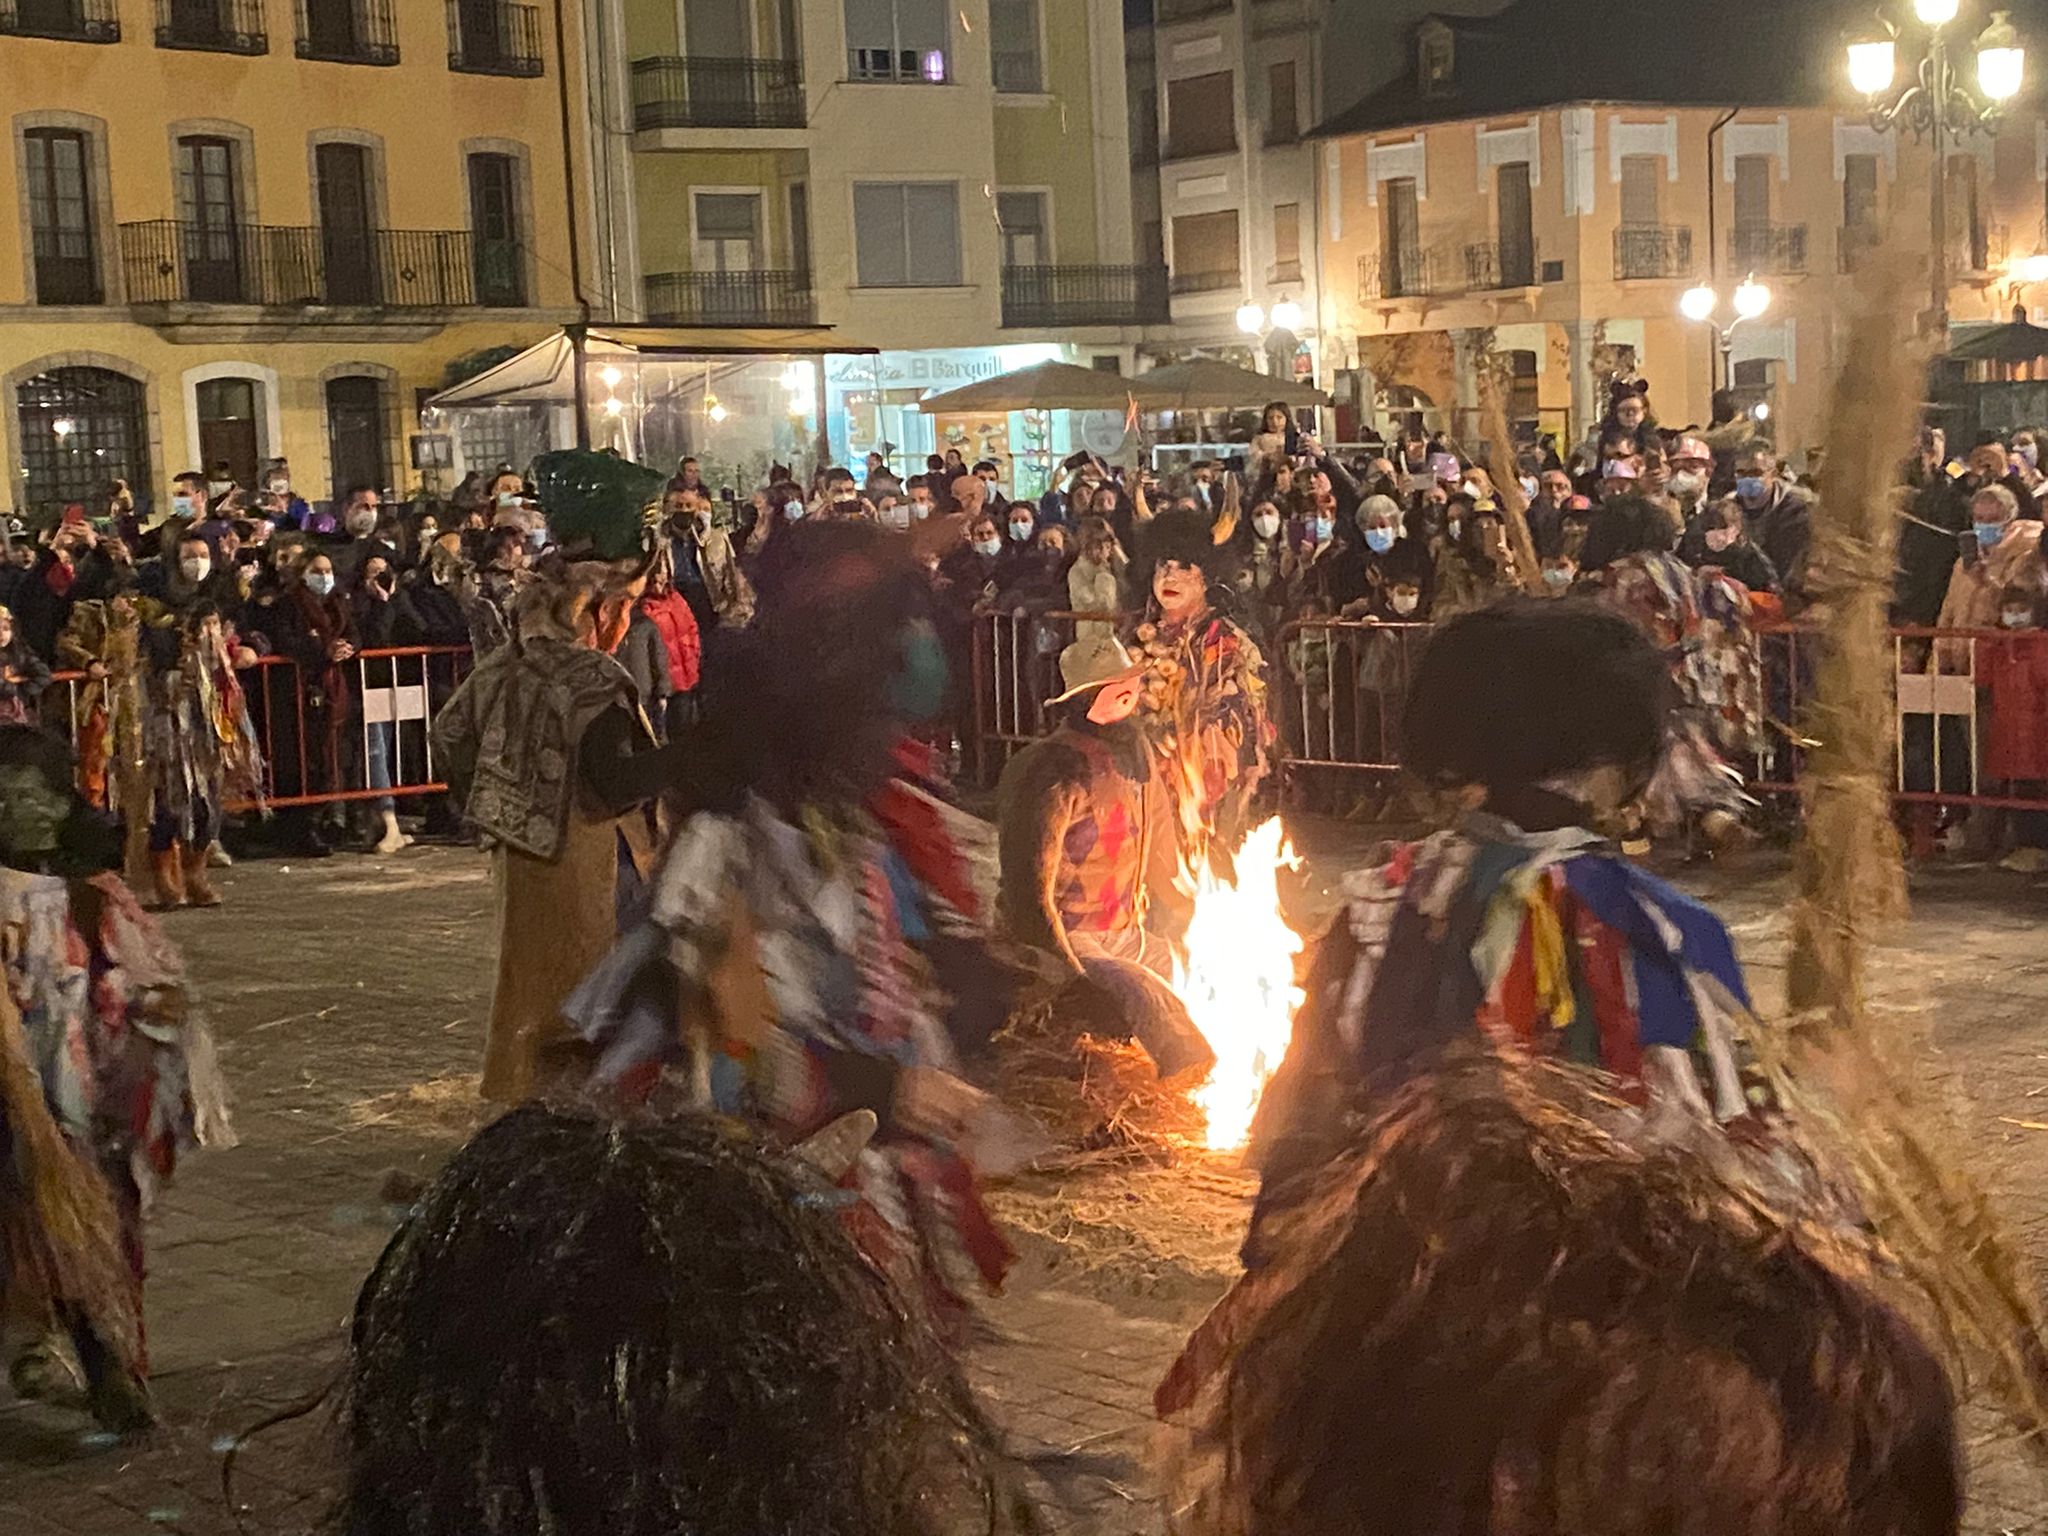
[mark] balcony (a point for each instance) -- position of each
(1856, 245)
(1086, 295)
(1779, 249)
(212, 26)
(1494, 265)
(1205, 282)
(70, 21)
(347, 32)
(1165, 11)
(1653, 251)
(773, 298)
(717, 93)
(1406, 273)
(494, 37)
(165, 261)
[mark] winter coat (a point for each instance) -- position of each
(645, 659)
(681, 640)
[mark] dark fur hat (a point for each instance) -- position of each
(1187, 538)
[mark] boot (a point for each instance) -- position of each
(393, 838)
(167, 870)
(197, 887)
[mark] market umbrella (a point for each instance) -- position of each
(1041, 387)
(1205, 384)
(2014, 342)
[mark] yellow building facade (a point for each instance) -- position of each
(946, 182)
(1564, 238)
(239, 230)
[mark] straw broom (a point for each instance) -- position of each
(1507, 484)
(1851, 1078)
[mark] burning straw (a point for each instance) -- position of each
(1853, 1078)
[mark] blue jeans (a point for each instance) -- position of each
(381, 734)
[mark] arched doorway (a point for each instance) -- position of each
(81, 428)
(356, 447)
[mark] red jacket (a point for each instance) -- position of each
(2015, 669)
(678, 626)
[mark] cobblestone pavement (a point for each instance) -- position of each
(349, 999)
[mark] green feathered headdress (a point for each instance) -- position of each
(596, 501)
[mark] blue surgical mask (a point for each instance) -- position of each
(184, 506)
(1988, 534)
(988, 547)
(319, 583)
(794, 511)
(1557, 577)
(1454, 527)
(1324, 527)
(537, 539)
(1750, 489)
(1379, 540)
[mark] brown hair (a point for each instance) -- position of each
(1493, 1315)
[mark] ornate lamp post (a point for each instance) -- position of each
(1939, 106)
(1751, 298)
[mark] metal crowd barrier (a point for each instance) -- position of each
(383, 733)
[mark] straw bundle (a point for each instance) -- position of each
(1094, 1095)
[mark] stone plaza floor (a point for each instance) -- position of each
(349, 996)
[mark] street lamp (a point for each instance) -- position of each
(1251, 319)
(1939, 106)
(1750, 299)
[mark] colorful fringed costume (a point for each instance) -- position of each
(1545, 942)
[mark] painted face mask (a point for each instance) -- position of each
(1379, 540)
(31, 812)
(918, 690)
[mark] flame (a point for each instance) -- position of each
(1238, 981)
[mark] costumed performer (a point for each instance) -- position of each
(1204, 702)
(550, 755)
(781, 974)
(103, 639)
(1522, 922)
(106, 1075)
(201, 747)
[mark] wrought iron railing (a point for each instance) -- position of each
(215, 26)
(1778, 248)
(73, 21)
(1085, 295)
(168, 261)
(1409, 272)
(1653, 250)
(1496, 264)
(1219, 281)
(775, 297)
(717, 93)
(347, 31)
(494, 37)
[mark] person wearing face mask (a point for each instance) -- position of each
(2004, 551)
(189, 498)
(1266, 568)
(1778, 517)
(202, 749)
(362, 519)
(1692, 468)
(276, 481)
(313, 627)
(1716, 538)
(1472, 566)
(1094, 580)
(190, 577)
(1545, 512)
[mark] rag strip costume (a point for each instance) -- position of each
(1547, 943)
(112, 770)
(1703, 641)
(106, 1075)
(1204, 706)
(790, 952)
(202, 747)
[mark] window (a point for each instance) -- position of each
(80, 428)
(1435, 57)
(800, 228)
(1201, 115)
(209, 216)
(227, 426)
(727, 235)
(1752, 192)
(1206, 255)
(1287, 243)
(907, 234)
(1515, 221)
(1283, 116)
(496, 251)
(1967, 236)
(1026, 241)
(355, 434)
(1401, 239)
(80, 21)
(715, 29)
(1013, 45)
(1859, 193)
(1152, 243)
(902, 40)
(1642, 178)
(348, 31)
(1523, 393)
(60, 217)
(348, 253)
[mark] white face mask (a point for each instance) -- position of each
(897, 516)
(280, 487)
(1688, 484)
(1471, 488)
(320, 583)
(362, 523)
(508, 498)
(920, 510)
(196, 569)
(1267, 524)
(219, 487)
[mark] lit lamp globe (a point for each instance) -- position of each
(1251, 319)
(2001, 61)
(1873, 62)
(2032, 269)
(1936, 13)
(1287, 315)
(1698, 303)
(1752, 298)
